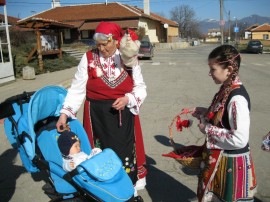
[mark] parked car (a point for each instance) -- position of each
(88, 42)
(146, 50)
(255, 46)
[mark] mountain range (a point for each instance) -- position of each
(206, 24)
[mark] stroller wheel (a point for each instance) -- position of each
(77, 199)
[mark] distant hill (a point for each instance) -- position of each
(206, 24)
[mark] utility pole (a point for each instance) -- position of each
(222, 22)
(229, 38)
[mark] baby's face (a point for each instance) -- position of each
(76, 148)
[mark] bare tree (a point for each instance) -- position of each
(184, 15)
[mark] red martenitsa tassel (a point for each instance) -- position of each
(180, 124)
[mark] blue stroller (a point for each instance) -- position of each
(30, 128)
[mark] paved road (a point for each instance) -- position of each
(175, 79)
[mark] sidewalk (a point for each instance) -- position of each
(62, 78)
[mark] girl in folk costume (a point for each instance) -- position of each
(227, 170)
(112, 85)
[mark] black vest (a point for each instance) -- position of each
(225, 120)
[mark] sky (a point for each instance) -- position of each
(204, 9)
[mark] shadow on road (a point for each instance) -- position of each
(162, 187)
(9, 174)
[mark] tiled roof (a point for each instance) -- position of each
(11, 20)
(251, 27)
(165, 20)
(98, 12)
(122, 23)
(262, 28)
(154, 16)
(76, 24)
(35, 22)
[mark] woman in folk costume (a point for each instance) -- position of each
(227, 169)
(110, 81)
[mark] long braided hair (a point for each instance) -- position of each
(224, 55)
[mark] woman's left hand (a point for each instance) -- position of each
(120, 103)
(2, 121)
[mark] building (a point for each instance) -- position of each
(84, 19)
(261, 32)
(248, 34)
(213, 35)
(6, 59)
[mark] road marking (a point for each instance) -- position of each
(258, 64)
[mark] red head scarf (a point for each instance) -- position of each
(110, 28)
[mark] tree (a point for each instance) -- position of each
(184, 15)
(241, 26)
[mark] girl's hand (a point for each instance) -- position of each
(120, 103)
(199, 111)
(202, 127)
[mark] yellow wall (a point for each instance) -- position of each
(150, 29)
(259, 35)
(173, 31)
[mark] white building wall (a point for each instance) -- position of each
(150, 30)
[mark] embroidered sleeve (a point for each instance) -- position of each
(138, 94)
(77, 91)
(239, 120)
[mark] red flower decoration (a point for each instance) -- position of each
(95, 72)
(180, 124)
(210, 115)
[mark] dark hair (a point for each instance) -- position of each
(225, 55)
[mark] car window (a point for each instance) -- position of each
(254, 43)
(145, 44)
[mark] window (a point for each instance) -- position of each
(265, 36)
(67, 34)
(85, 34)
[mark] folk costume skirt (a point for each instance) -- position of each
(234, 179)
(114, 129)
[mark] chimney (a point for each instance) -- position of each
(146, 7)
(56, 3)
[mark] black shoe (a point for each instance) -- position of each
(138, 199)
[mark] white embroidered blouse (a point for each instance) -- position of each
(77, 91)
(239, 119)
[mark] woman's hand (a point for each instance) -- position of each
(61, 124)
(120, 103)
(2, 121)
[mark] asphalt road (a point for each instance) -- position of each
(175, 79)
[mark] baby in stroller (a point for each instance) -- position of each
(70, 147)
(29, 122)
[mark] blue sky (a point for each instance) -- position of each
(204, 9)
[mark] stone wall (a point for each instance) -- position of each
(176, 45)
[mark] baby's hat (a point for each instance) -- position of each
(66, 140)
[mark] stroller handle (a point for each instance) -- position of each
(17, 98)
(6, 108)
